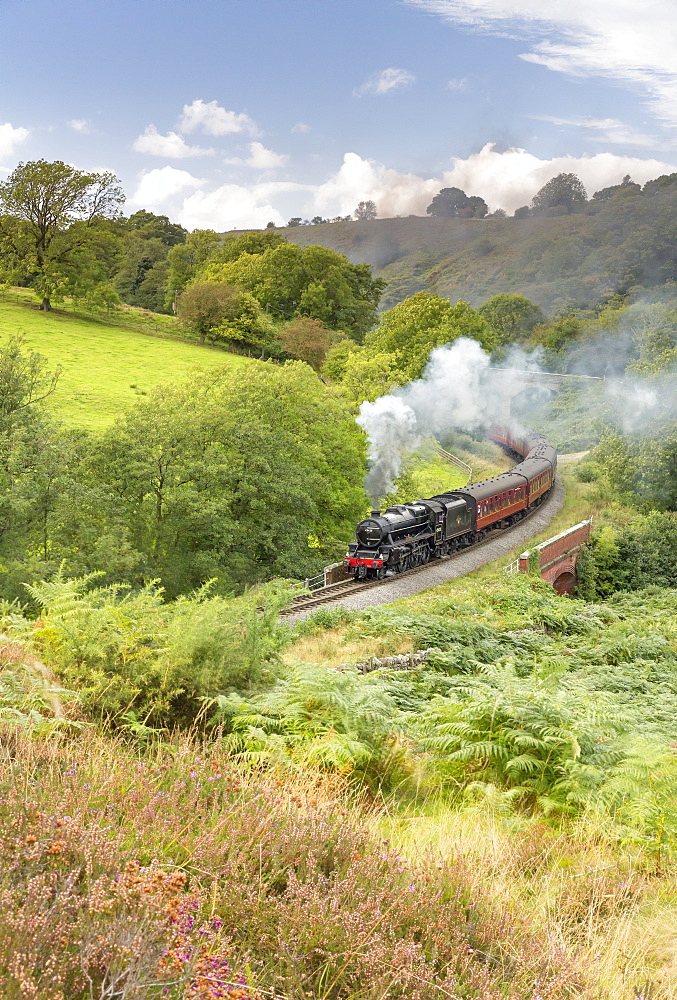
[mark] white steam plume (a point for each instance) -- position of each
(458, 389)
(390, 426)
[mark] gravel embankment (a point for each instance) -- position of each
(465, 562)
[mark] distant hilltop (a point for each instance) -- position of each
(614, 245)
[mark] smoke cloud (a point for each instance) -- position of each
(462, 389)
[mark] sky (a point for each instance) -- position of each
(229, 114)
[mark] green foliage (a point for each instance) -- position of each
(511, 317)
(231, 479)
(132, 651)
(641, 796)
(320, 719)
(300, 281)
(544, 743)
(452, 202)
(641, 555)
(216, 311)
(185, 259)
(156, 227)
(368, 373)
(564, 192)
(54, 229)
(641, 468)
(413, 328)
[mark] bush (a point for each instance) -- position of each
(130, 652)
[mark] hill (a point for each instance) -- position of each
(617, 244)
(105, 367)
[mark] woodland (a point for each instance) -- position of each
(202, 799)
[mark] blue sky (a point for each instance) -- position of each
(224, 114)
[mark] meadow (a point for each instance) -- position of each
(106, 365)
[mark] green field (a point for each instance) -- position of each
(105, 367)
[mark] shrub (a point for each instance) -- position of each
(127, 651)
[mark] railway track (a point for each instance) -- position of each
(347, 588)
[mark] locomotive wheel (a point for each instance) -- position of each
(381, 573)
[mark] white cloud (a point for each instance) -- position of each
(10, 139)
(505, 180)
(234, 206)
(627, 41)
(301, 127)
(459, 84)
(210, 117)
(81, 125)
(385, 81)
(510, 179)
(608, 130)
(170, 146)
(160, 188)
(260, 158)
(361, 180)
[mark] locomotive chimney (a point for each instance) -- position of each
(375, 513)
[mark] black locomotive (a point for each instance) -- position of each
(410, 534)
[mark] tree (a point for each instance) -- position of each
(53, 212)
(290, 280)
(565, 191)
(295, 221)
(307, 339)
(365, 211)
(142, 277)
(218, 311)
(452, 202)
(410, 330)
(29, 465)
(185, 259)
(477, 207)
(203, 306)
(236, 479)
(158, 227)
(512, 317)
(626, 187)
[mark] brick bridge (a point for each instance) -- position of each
(556, 558)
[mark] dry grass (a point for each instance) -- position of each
(588, 894)
(335, 646)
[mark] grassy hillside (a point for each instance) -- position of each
(614, 245)
(106, 366)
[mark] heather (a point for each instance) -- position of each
(496, 822)
(178, 875)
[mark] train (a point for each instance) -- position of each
(410, 534)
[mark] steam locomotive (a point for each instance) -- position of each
(410, 534)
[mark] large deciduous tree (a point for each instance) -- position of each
(291, 280)
(217, 311)
(308, 340)
(565, 193)
(410, 330)
(52, 229)
(452, 202)
(365, 211)
(237, 479)
(511, 316)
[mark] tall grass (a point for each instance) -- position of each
(128, 877)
